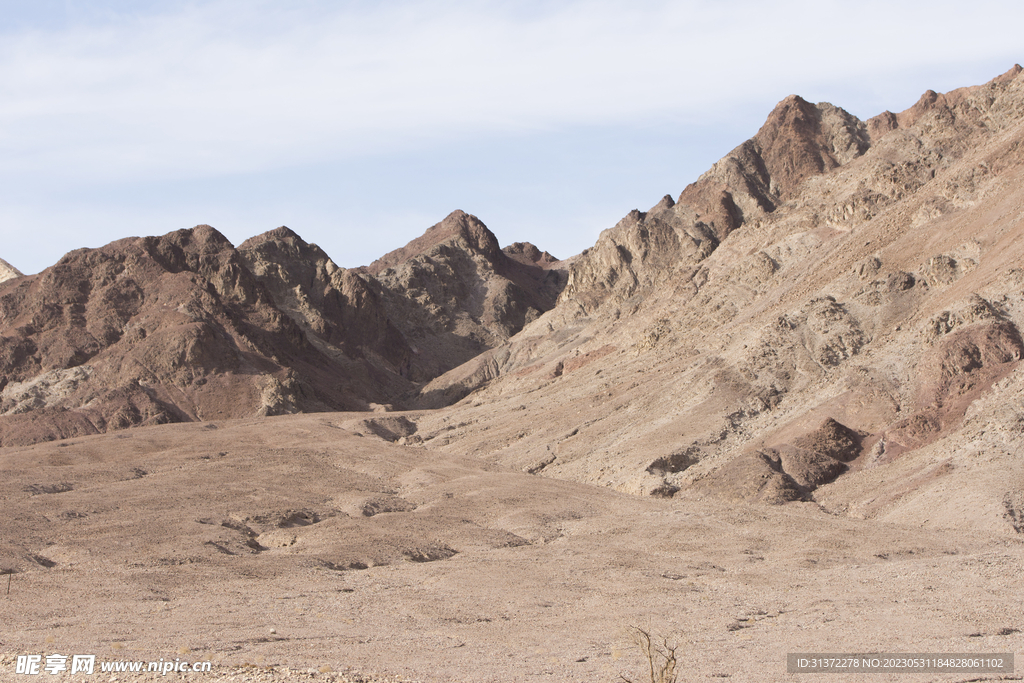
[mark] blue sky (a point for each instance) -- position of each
(361, 124)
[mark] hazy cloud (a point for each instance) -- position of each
(227, 86)
(119, 94)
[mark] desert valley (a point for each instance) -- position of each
(779, 412)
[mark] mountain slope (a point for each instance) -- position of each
(866, 281)
(335, 306)
(830, 314)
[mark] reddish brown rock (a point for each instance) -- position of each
(334, 304)
(453, 293)
(156, 329)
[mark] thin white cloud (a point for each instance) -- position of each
(230, 86)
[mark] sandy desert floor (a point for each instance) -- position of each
(243, 543)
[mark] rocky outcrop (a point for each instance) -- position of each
(529, 255)
(7, 271)
(335, 306)
(453, 293)
(641, 251)
(798, 141)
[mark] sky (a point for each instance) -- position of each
(360, 124)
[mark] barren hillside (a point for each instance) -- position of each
(847, 313)
(454, 293)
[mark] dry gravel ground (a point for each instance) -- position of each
(239, 542)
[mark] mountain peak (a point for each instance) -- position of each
(800, 139)
(458, 225)
(199, 240)
(933, 101)
(797, 141)
(528, 254)
(281, 233)
(287, 243)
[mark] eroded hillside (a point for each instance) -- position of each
(831, 313)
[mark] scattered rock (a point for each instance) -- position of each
(382, 504)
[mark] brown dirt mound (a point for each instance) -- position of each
(757, 476)
(832, 439)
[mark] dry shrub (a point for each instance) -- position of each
(660, 656)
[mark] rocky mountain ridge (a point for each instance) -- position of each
(863, 293)
(186, 327)
(830, 315)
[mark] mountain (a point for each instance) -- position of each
(338, 309)
(152, 330)
(805, 368)
(186, 327)
(454, 293)
(831, 313)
